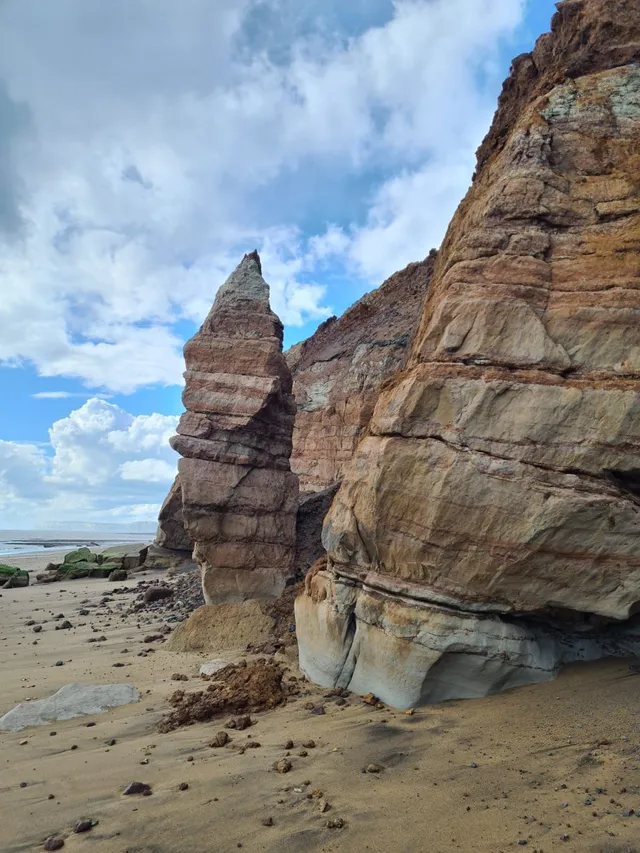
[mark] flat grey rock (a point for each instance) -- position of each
(213, 666)
(72, 700)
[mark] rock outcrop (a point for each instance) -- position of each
(338, 373)
(488, 529)
(171, 530)
(239, 496)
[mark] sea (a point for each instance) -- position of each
(33, 541)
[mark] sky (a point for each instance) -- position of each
(146, 145)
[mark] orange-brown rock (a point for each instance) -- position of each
(488, 529)
(239, 497)
(339, 370)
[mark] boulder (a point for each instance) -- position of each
(130, 557)
(80, 555)
(239, 496)
(72, 700)
(12, 577)
(487, 530)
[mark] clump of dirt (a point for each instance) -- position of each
(241, 688)
(281, 611)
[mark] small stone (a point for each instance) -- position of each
(111, 742)
(317, 793)
(318, 710)
(59, 663)
(324, 806)
(303, 753)
(84, 825)
(54, 842)
(36, 630)
(474, 765)
(371, 699)
(189, 757)
(179, 676)
(252, 744)
(308, 744)
(156, 593)
(267, 821)
(410, 712)
(289, 745)
(65, 625)
(90, 724)
(373, 768)
(24, 742)
(183, 786)
(51, 797)
(284, 765)
(336, 823)
(52, 734)
(153, 638)
(221, 739)
(138, 788)
(23, 784)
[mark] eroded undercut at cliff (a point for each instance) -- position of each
(487, 530)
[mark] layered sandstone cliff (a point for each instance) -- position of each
(488, 529)
(239, 497)
(338, 373)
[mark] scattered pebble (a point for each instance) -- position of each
(54, 842)
(138, 788)
(284, 765)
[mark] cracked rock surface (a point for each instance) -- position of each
(487, 530)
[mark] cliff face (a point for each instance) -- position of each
(338, 373)
(239, 497)
(488, 528)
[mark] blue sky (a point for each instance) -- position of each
(143, 152)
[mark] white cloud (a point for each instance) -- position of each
(168, 140)
(101, 462)
(65, 395)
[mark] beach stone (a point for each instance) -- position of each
(84, 825)
(138, 788)
(72, 700)
(118, 575)
(213, 666)
(221, 739)
(54, 842)
(157, 593)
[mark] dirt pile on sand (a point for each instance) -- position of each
(242, 688)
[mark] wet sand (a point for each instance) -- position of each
(533, 765)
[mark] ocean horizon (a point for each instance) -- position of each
(33, 541)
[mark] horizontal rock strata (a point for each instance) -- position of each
(239, 497)
(338, 373)
(496, 495)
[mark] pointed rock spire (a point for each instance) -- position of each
(239, 497)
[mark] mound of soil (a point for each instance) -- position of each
(241, 688)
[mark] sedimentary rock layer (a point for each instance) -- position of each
(339, 370)
(499, 482)
(239, 497)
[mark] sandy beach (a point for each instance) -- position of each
(555, 765)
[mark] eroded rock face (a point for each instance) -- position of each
(339, 370)
(488, 529)
(171, 530)
(239, 497)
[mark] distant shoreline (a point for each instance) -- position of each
(13, 545)
(37, 561)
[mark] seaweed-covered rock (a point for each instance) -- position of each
(12, 577)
